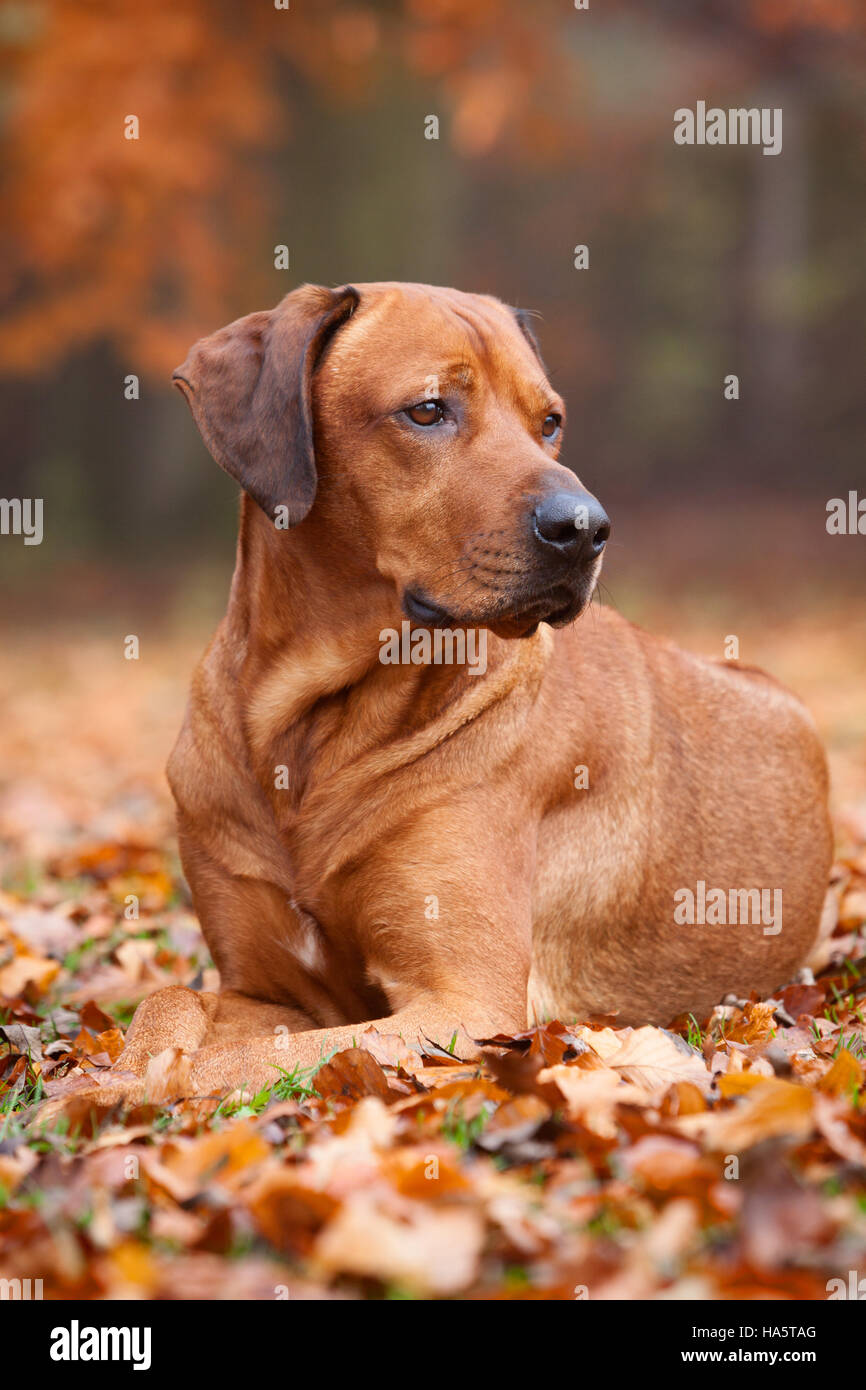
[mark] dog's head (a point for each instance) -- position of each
(416, 427)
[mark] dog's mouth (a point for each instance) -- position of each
(426, 614)
(556, 609)
(556, 606)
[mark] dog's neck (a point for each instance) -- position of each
(311, 622)
(317, 703)
(296, 587)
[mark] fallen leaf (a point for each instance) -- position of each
(845, 1077)
(655, 1059)
(769, 1108)
(397, 1241)
(592, 1096)
(27, 972)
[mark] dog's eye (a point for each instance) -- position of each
(426, 413)
(551, 425)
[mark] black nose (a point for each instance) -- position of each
(573, 523)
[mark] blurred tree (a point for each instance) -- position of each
(138, 240)
(304, 127)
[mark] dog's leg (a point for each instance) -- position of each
(167, 1055)
(256, 1062)
(229, 1041)
(171, 1017)
(168, 1030)
(175, 1031)
(458, 975)
(166, 1027)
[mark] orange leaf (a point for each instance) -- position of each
(844, 1077)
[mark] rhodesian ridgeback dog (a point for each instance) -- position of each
(588, 821)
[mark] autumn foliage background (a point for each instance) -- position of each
(261, 127)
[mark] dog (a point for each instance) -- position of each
(438, 850)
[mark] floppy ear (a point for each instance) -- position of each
(524, 322)
(248, 387)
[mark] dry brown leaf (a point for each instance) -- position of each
(655, 1060)
(134, 956)
(27, 972)
(852, 909)
(604, 1042)
(666, 1163)
(390, 1050)
(514, 1121)
(224, 1157)
(432, 1250)
(355, 1073)
(844, 1077)
(738, 1083)
(167, 1076)
(756, 1023)
(287, 1210)
(770, 1108)
(592, 1096)
(831, 1120)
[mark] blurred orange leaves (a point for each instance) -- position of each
(144, 242)
(838, 16)
(129, 239)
